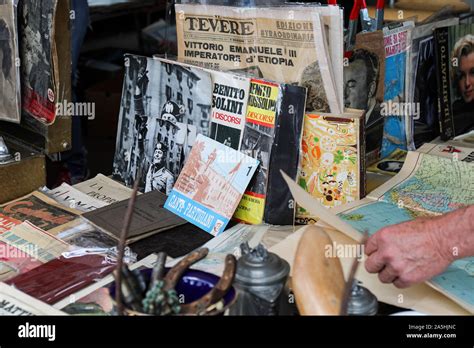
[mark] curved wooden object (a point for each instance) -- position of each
(318, 281)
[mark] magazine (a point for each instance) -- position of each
(10, 98)
(454, 69)
(104, 189)
(397, 41)
(73, 198)
(274, 43)
(164, 106)
(211, 185)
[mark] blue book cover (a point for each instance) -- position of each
(397, 41)
(211, 185)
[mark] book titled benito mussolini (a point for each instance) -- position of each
(211, 185)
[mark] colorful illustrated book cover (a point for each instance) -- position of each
(211, 185)
(257, 143)
(333, 160)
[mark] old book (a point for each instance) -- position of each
(10, 98)
(259, 136)
(70, 197)
(397, 40)
(364, 78)
(16, 303)
(229, 108)
(149, 217)
(454, 64)
(275, 43)
(40, 210)
(104, 189)
(211, 185)
(332, 166)
(164, 107)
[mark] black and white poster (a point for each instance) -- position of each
(36, 22)
(164, 107)
(10, 95)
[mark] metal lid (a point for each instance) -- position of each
(362, 301)
(259, 267)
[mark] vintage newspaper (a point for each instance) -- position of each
(10, 96)
(73, 198)
(40, 210)
(272, 43)
(104, 189)
(35, 242)
(13, 302)
(427, 185)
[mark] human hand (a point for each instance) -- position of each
(408, 253)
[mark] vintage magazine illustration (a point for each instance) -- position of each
(272, 43)
(397, 41)
(211, 185)
(332, 161)
(17, 303)
(229, 108)
(259, 135)
(36, 25)
(10, 98)
(164, 106)
(40, 210)
(364, 78)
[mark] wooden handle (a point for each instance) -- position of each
(318, 280)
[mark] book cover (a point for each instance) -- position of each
(229, 108)
(397, 40)
(461, 79)
(164, 106)
(364, 77)
(10, 98)
(444, 95)
(259, 136)
(285, 155)
(333, 160)
(211, 185)
(149, 217)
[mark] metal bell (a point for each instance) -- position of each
(5, 156)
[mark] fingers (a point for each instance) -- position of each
(401, 284)
(371, 245)
(375, 263)
(388, 275)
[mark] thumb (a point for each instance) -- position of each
(372, 245)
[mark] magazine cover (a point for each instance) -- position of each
(164, 106)
(229, 108)
(364, 78)
(457, 98)
(257, 143)
(422, 85)
(332, 161)
(36, 23)
(397, 41)
(211, 185)
(10, 97)
(276, 43)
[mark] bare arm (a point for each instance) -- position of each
(415, 251)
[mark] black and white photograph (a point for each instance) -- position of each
(164, 107)
(9, 71)
(36, 22)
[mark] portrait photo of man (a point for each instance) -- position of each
(463, 79)
(158, 177)
(361, 79)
